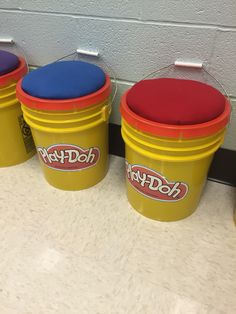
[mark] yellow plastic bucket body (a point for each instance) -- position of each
(16, 139)
(165, 176)
(72, 145)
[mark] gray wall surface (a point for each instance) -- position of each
(135, 37)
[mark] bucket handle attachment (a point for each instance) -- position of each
(106, 111)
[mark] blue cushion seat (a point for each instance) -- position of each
(8, 62)
(64, 80)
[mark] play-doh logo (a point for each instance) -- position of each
(152, 184)
(66, 157)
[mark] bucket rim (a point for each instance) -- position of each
(174, 131)
(14, 75)
(63, 104)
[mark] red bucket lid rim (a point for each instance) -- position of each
(63, 104)
(175, 131)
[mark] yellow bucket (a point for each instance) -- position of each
(165, 175)
(15, 136)
(72, 141)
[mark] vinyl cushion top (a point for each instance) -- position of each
(64, 80)
(175, 101)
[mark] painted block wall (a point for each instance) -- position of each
(135, 37)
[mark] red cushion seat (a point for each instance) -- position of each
(175, 101)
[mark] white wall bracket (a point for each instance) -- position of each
(189, 64)
(7, 40)
(92, 53)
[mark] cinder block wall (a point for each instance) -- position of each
(134, 36)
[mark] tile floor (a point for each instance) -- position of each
(89, 252)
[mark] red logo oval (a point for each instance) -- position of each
(153, 185)
(67, 157)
